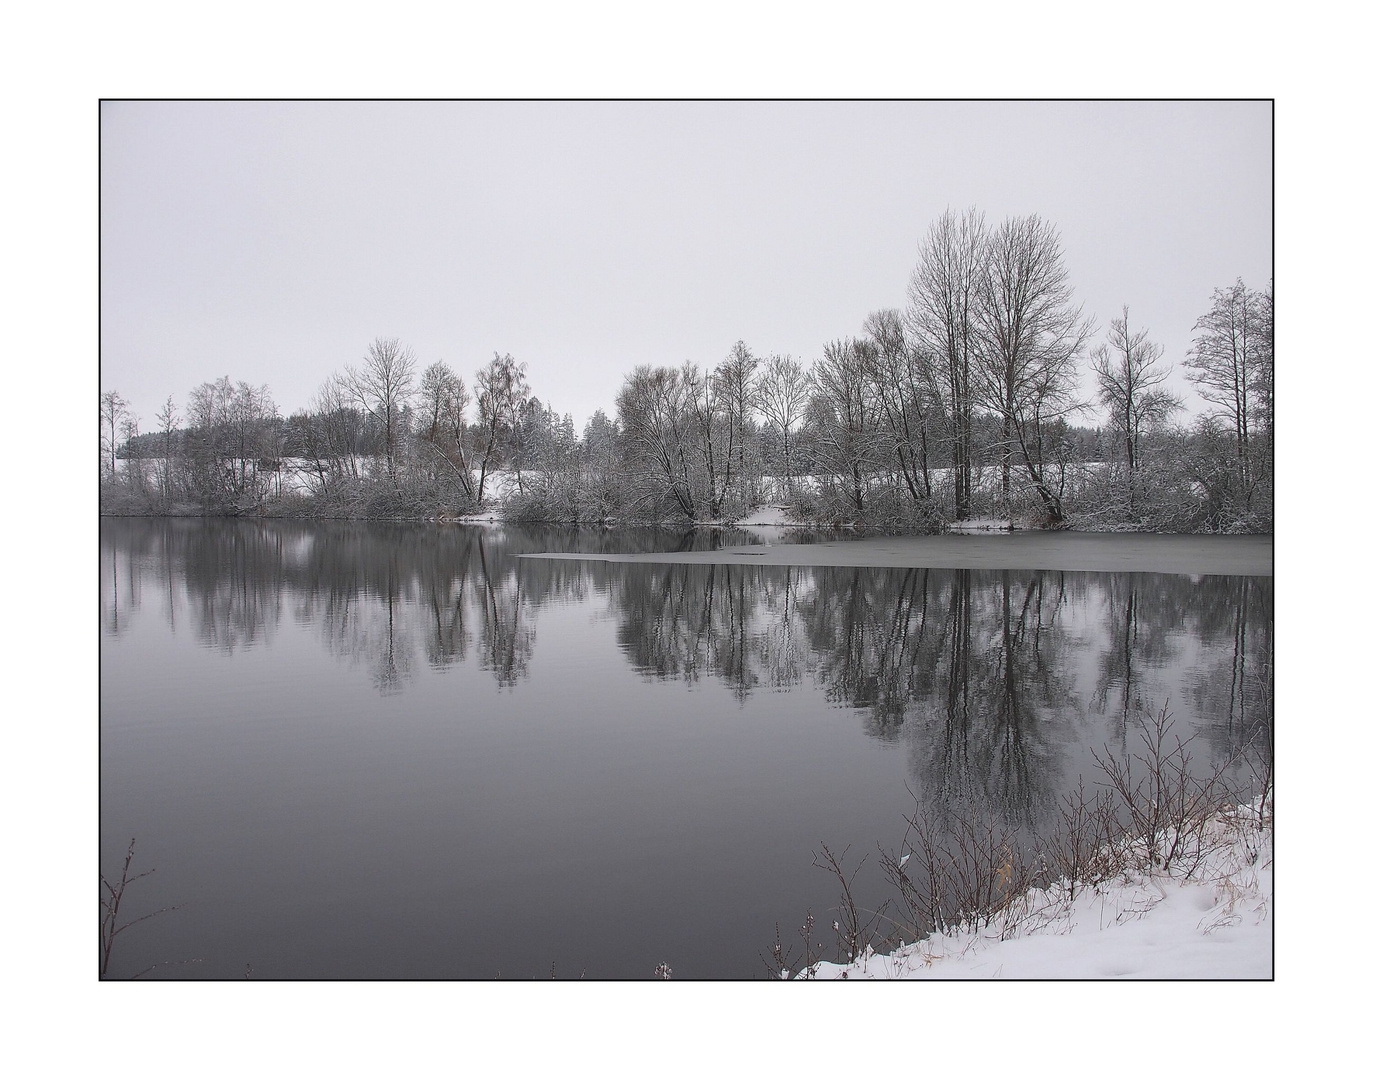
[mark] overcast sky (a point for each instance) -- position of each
(271, 242)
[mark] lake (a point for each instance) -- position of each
(404, 751)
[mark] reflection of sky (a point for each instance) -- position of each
(297, 750)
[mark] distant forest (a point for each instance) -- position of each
(959, 406)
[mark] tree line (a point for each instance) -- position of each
(965, 403)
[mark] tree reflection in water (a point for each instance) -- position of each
(1234, 684)
(233, 581)
(689, 621)
(976, 672)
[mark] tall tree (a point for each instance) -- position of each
(533, 438)
(252, 416)
(783, 390)
(382, 387)
(167, 420)
(941, 314)
(1130, 378)
(903, 386)
(655, 418)
(502, 388)
(843, 418)
(443, 406)
(735, 390)
(128, 430)
(601, 481)
(113, 409)
(1264, 382)
(1225, 365)
(327, 439)
(1029, 336)
(342, 429)
(207, 409)
(231, 430)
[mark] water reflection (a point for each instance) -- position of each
(976, 659)
(693, 621)
(539, 754)
(1233, 686)
(1002, 684)
(986, 675)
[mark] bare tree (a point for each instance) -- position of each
(167, 420)
(443, 406)
(1264, 376)
(705, 425)
(654, 415)
(252, 417)
(382, 387)
(903, 385)
(719, 404)
(734, 390)
(113, 410)
(310, 449)
(1029, 337)
(941, 315)
(1223, 361)
(1263, 387)
(232, 430)
(314, 441)
(842, 420)
(207, 418)
(1130, 377)
(330, 438)
(1230, 364)
(502, 389)
(783, 390)
(128, 430)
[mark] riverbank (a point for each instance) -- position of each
(1215, 923)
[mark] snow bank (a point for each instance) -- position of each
(774, 514)
(1217, 924)
(979, 525)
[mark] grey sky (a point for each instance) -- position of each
(272, 242)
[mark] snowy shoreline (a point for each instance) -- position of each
(1214, 923)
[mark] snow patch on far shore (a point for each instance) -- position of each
(775, 514)
(980, 525)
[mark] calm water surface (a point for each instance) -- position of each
(368, 751)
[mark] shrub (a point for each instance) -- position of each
(968, 869)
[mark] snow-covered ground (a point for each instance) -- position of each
(774, 514)
(1216, 924)
(980, 525)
